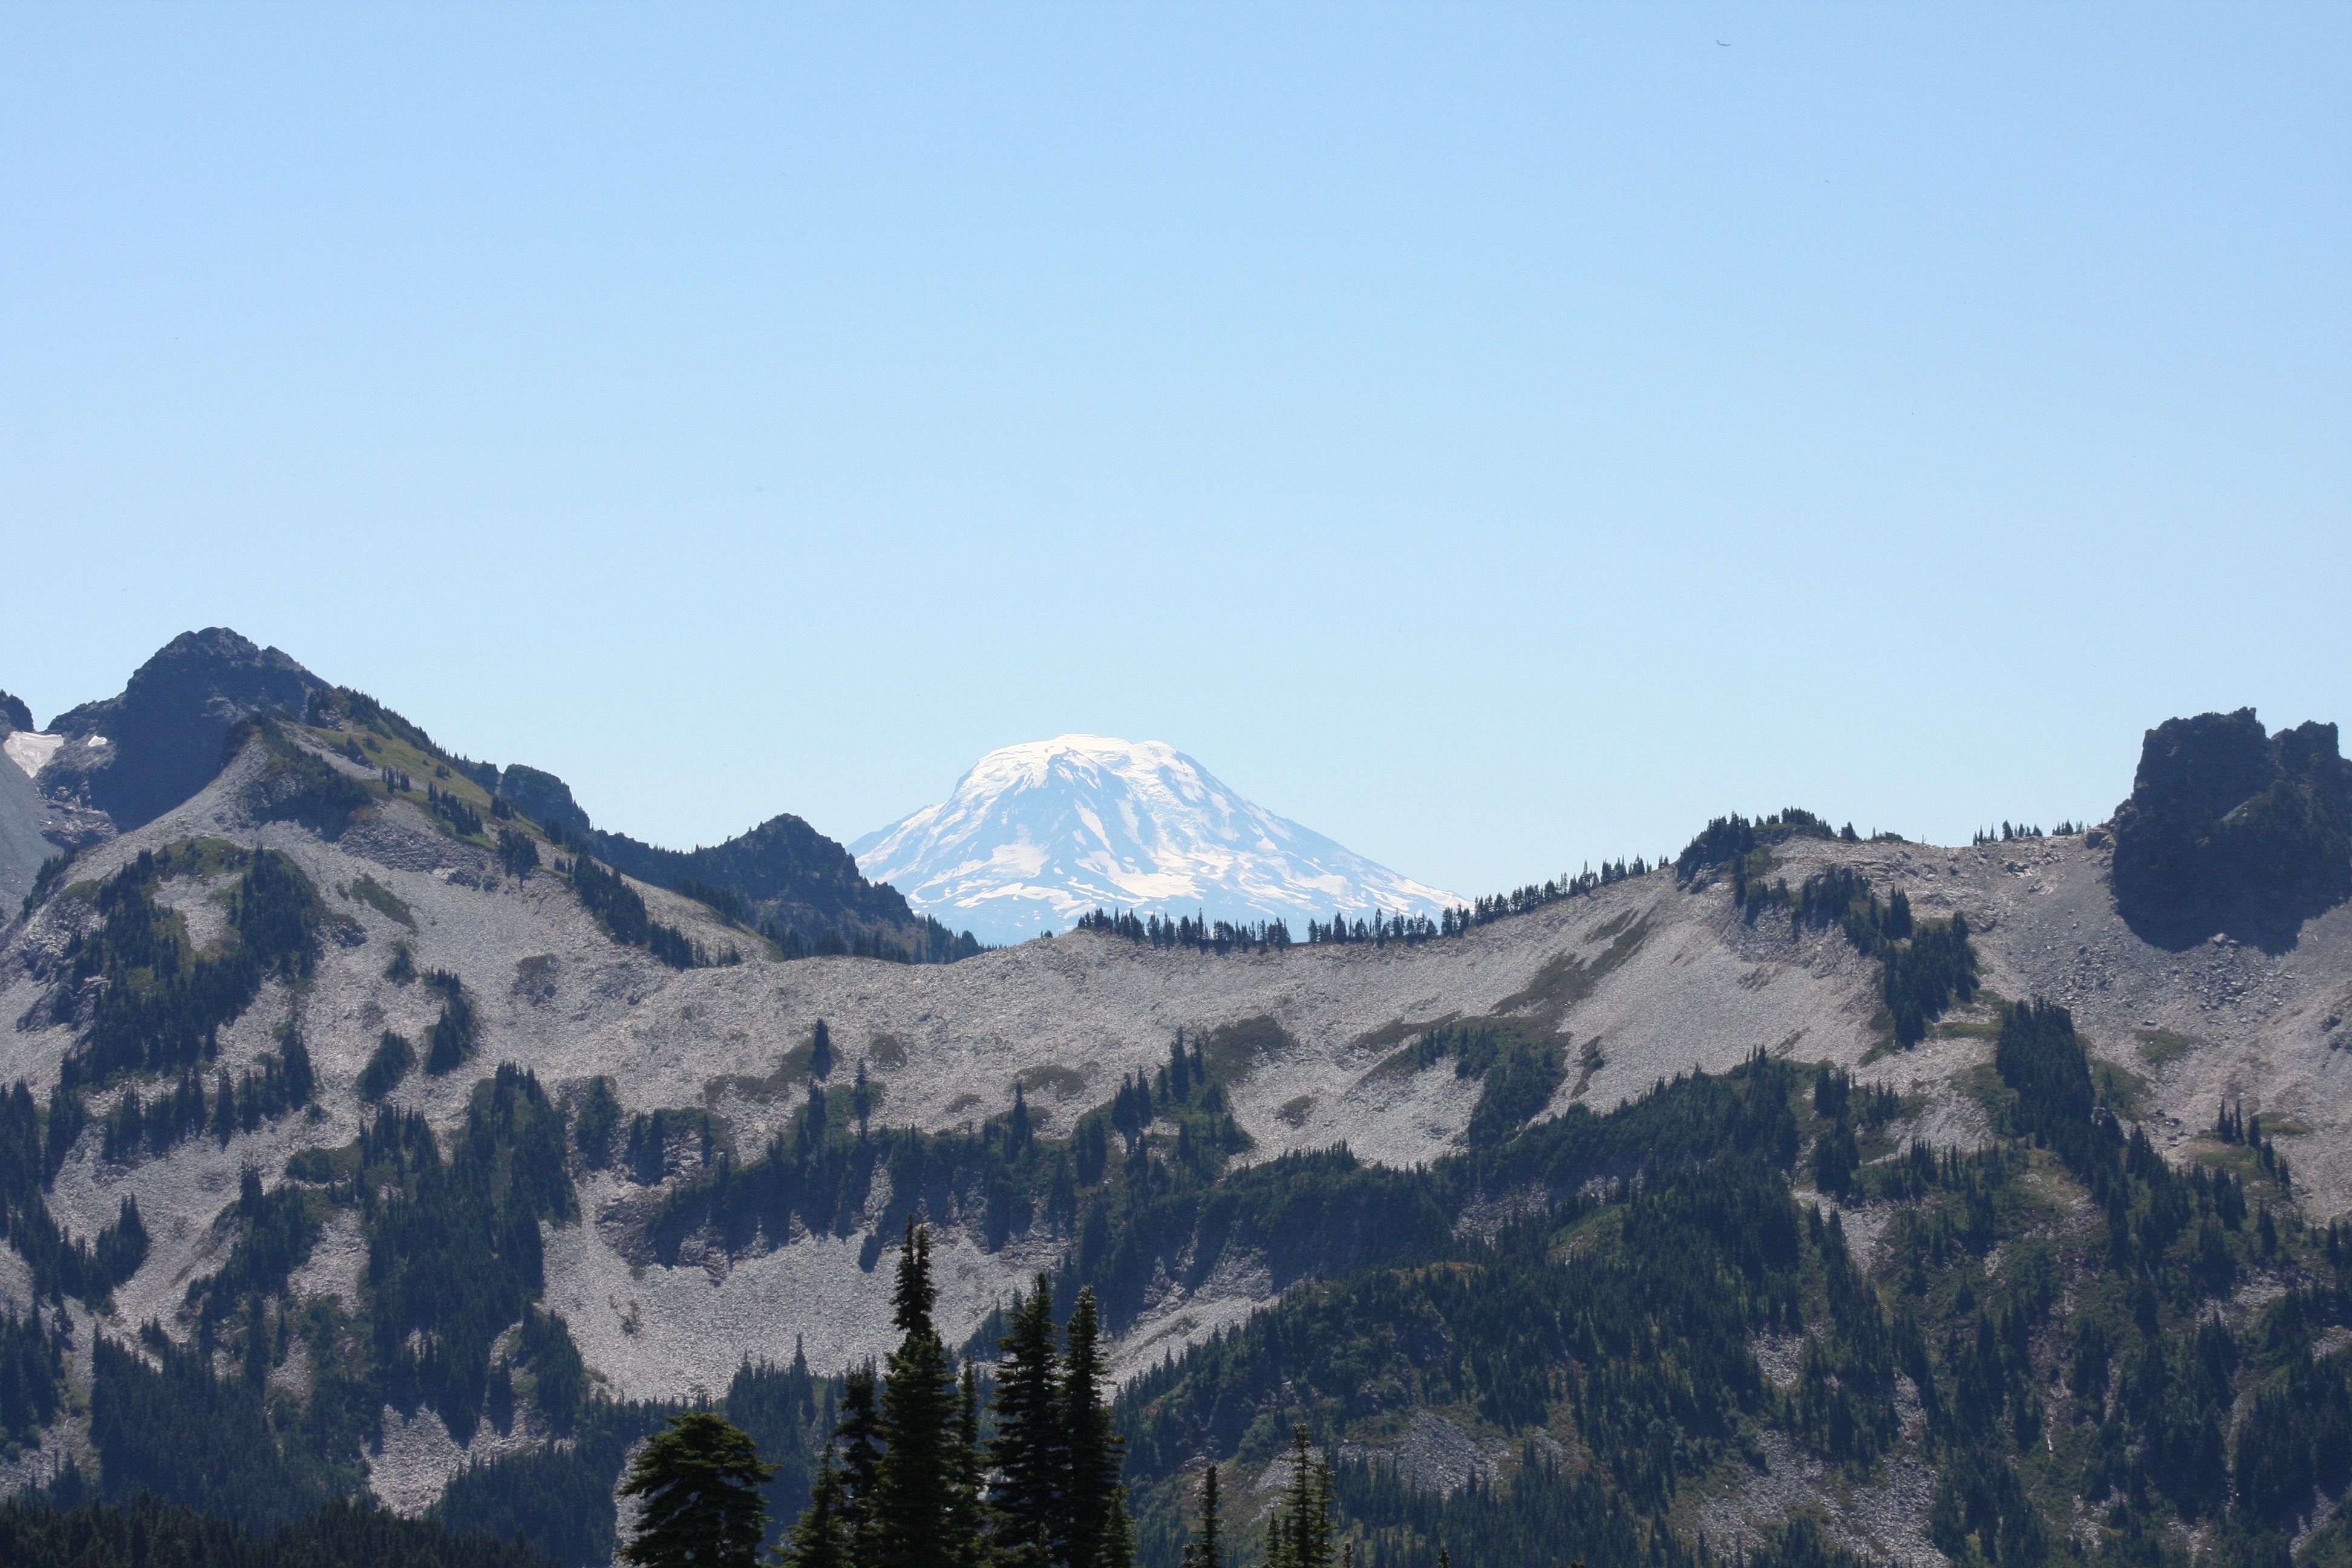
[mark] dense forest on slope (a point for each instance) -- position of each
(2059, 1315)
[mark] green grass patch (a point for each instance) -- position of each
(2119, 1088)
(1233, 1050)
(1566, 979)
(1888, 1045)
(1609, 927)
(1588, 1061)
(1397, 1032)
(384, 902)
(201, 858)
(1059, 1081)
(1983, 1084)
(534, 979)
(2161, 1048)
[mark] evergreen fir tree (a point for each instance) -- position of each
(1299, 1534)
(860, 1433)
(1117, 1549)
(965, 1540)
(698, 1483)
(822, 1537)
(1207, 1548)
(1027, 1454)
(1092, 1445)
(915, 1499)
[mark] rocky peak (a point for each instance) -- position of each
(2232, 829)
(136, 755)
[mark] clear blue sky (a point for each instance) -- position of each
(1494, 437)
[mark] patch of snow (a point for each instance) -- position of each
(31, 751)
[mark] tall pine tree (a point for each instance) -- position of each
(1092, 1447)
(1028, 1452)
(915, 1501)
(1300, 1533)
(966, 1533)
(1207, 1548)
(822, 1538)
(860, 1433)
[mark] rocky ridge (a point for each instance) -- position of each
(1640, 979)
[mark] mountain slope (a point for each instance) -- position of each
(1035, 836)
(672, 1178)
(113, 765)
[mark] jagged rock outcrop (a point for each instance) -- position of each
(137, 755)
(2230, 829)
(542, 797)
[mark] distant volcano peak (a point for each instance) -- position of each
(1035, 835)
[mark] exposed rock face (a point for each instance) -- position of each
(542, 797)
(2229, 829)
(137, 755)
(13, 714)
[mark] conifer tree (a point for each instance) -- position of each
(1093, 1447)
(1028, 1449)
(699, 1484)
(1299, 1534)
(1117, 1549)
(915, 1499)
(822, 1537)
(1207, 1549)
(860, 1433)
(965, 1533)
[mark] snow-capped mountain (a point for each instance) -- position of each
(1035, 836)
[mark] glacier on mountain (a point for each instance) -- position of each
(1036, 835)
